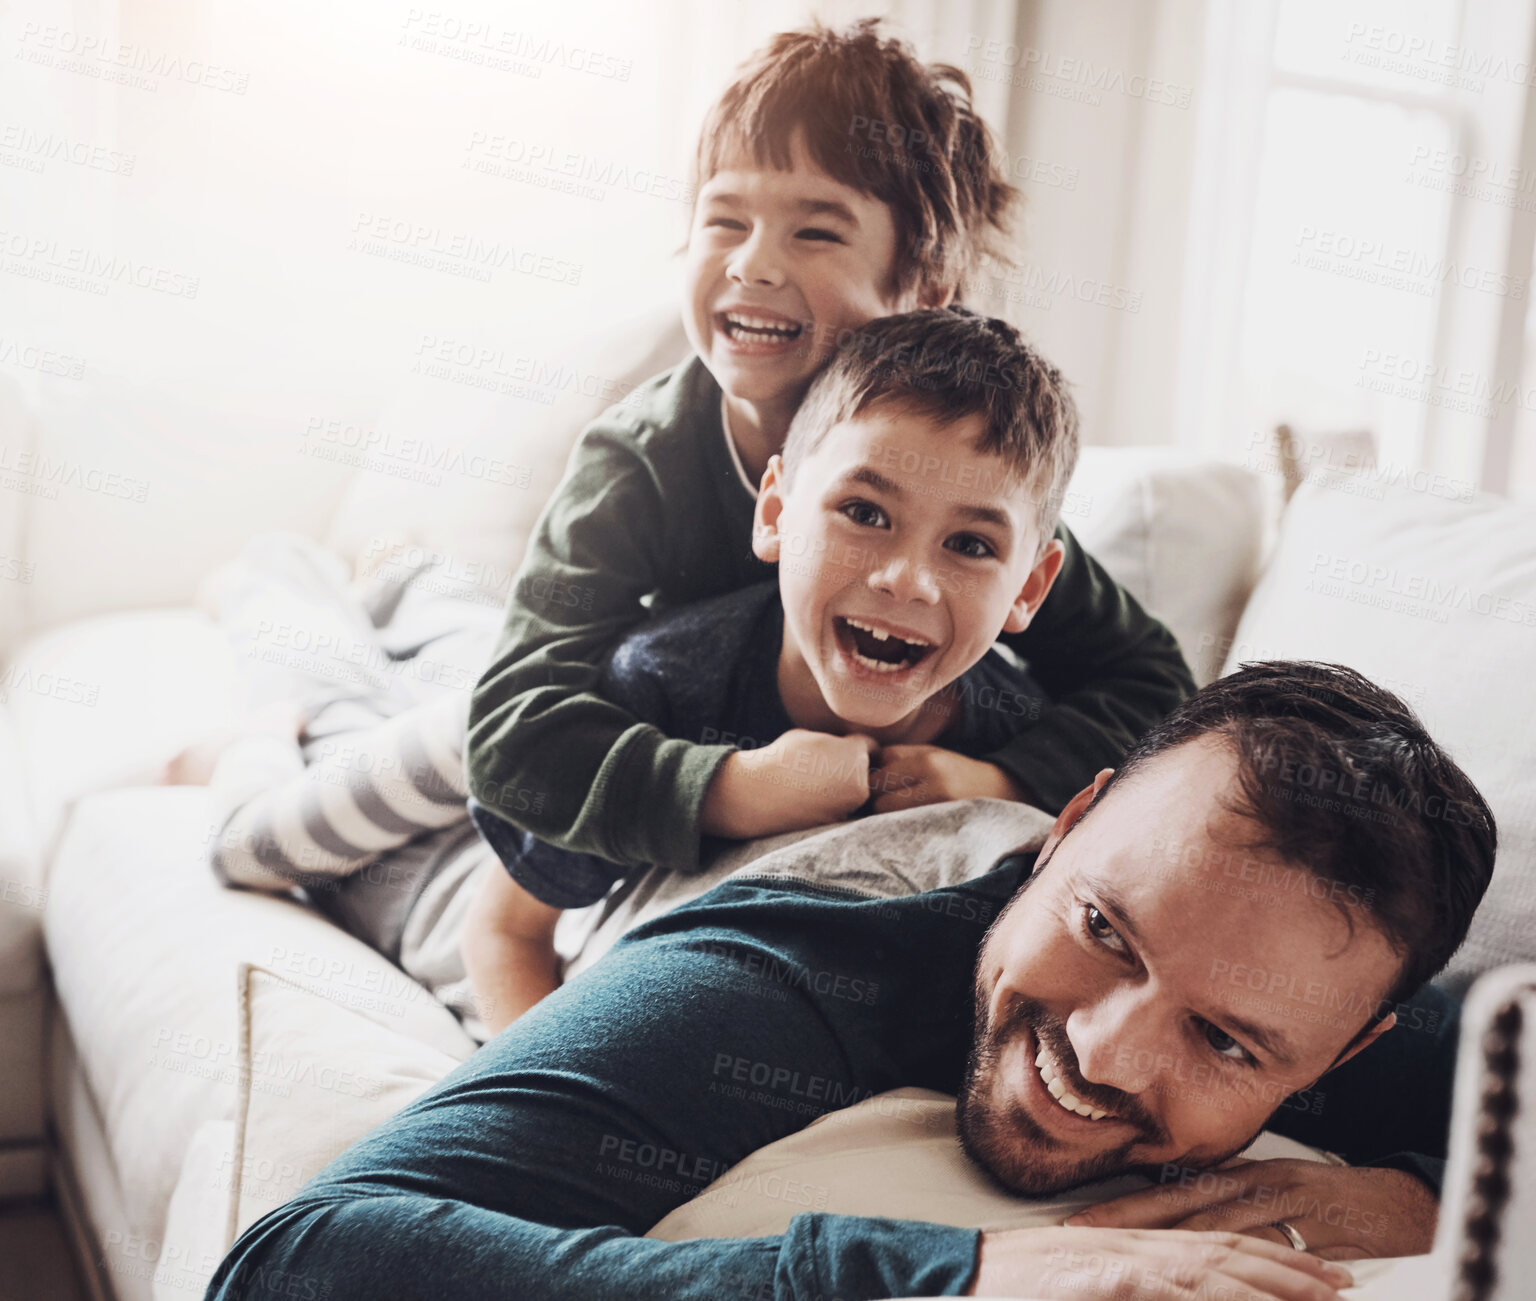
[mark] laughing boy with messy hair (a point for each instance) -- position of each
(911, 515)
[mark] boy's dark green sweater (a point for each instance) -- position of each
(652, 514)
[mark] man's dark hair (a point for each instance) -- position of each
(878, 119)
(1343, 781)
(948, 363)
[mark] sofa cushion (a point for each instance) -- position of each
(143, 478)
(314, 1078)
(1185, 535)
(1436, 600)
(146, 948)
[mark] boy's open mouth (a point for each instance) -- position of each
(748, 327)
(876, 648)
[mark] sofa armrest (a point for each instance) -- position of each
(22, 895)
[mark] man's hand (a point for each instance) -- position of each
(1342, 1212)
(1114, 1263)
(909, 775)
(804, 779)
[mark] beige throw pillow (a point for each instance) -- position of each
(314, 1078)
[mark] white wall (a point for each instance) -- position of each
(267, 212)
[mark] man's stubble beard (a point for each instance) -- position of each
(1006, 1141)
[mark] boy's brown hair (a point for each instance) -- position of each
(949, 363)
(880, 121)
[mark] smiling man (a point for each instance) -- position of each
(1091, 991)
(1201, 939)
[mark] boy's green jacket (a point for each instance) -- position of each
(652, 513)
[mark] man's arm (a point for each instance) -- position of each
(411, 1247)
(546, 752)
(535, 1167)
(1111, 668)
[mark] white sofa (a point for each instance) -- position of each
(105, 875)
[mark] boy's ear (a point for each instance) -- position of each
(765, 516)
(935, 295)
(1036, 587)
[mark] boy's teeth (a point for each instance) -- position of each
(879, 666)
(879, 634)
(758, 329)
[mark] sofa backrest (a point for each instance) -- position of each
(1183, 534)
(462, 470)
(126, 494)
(120, 495)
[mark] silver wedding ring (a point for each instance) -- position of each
(1291, 1236)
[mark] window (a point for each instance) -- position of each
(1353, 264)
